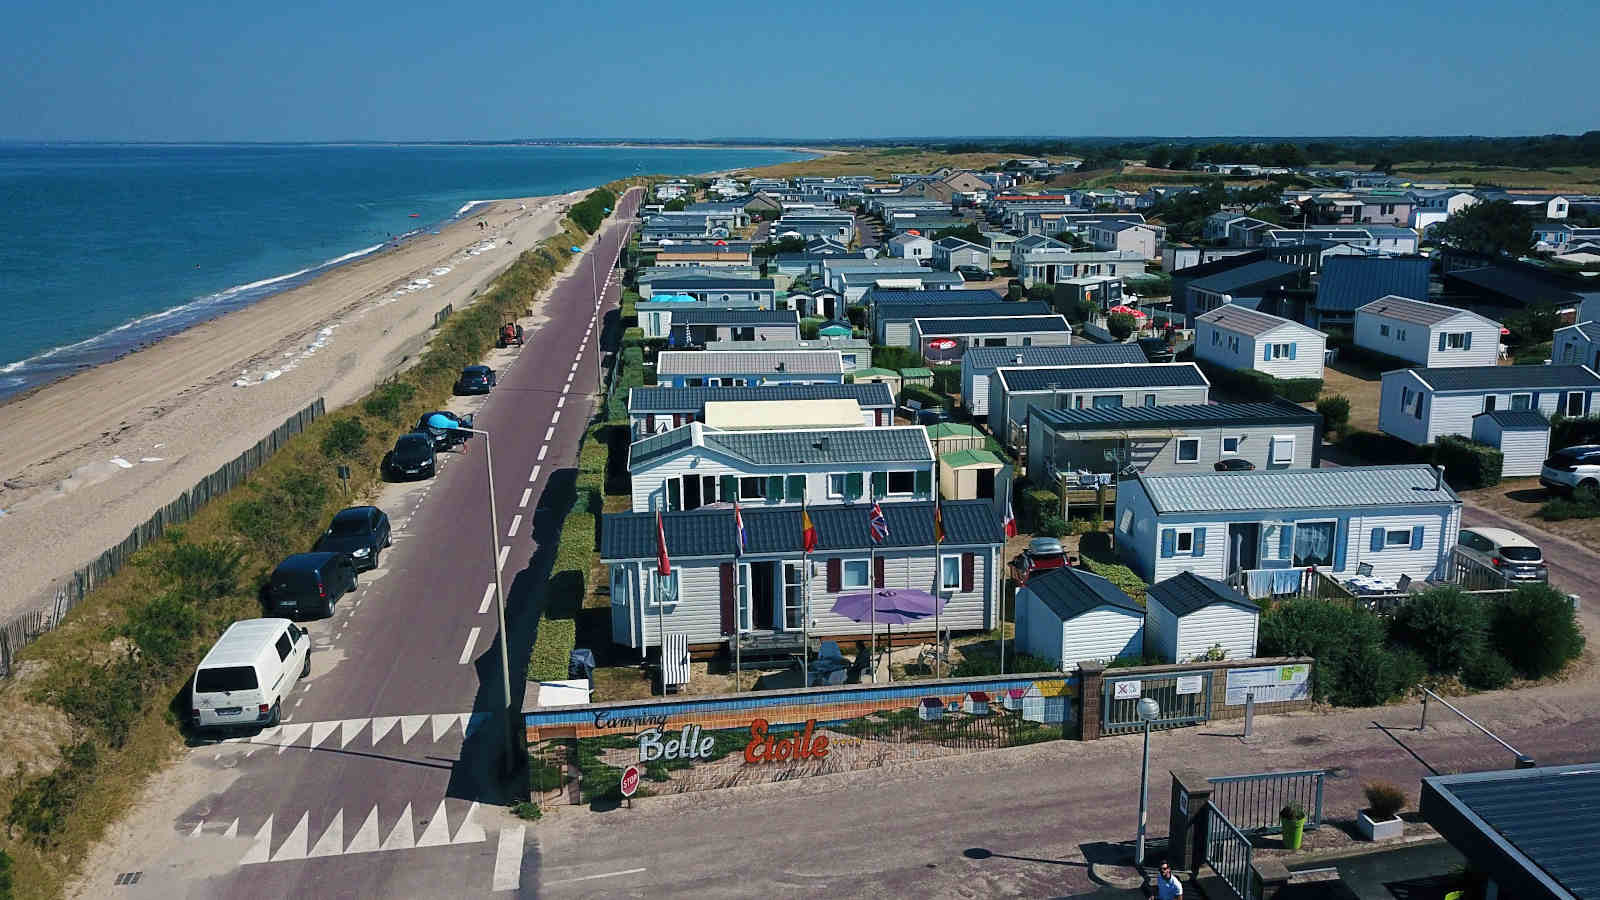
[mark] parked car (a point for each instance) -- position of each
(1156, 349)
(443, 438)
(1234, 464)
(412, 457)
(1041, 553)
(1572, 468)
(932, 415)
(973, 273)
(360, 531)
(475, 380)
(1513, 555)
(307, 584)
(246, 674)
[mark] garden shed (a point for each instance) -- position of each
(968, 474)
(1187, 615)
(879, 376)
(917, 376)
(975, 703)
(1523, 436)
(1068, 615)
(1049, 702)
(834, 328)
(948, 437)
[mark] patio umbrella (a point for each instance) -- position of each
(892, 606)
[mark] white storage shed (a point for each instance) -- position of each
(1187, 615)
(1069, 615)
(1523, 436)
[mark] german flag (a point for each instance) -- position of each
(938, 523)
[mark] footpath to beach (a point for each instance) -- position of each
(85, 460)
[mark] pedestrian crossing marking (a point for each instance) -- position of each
(332, 841)
(348, 729)
(438, 831)
(442, 723)
(297, 844)
(409, 725)
(402, 837)
(233, 830)
(292, 733)
(321, 731)
(261, 850)
(294, 846)
(366, 839)
(314, 735)
(381, 726)
(470, 831)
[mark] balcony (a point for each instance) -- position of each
(1459, 571)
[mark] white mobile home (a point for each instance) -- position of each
(1187, 616)
(1014, 390)
(742, 368)
(978, 363)
(1577, 345)
(1069, 616)
(943, 341)
(1236, 337)
(1420, 405)
(1427, 334)
(655, 410)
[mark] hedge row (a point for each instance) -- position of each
(1259, 387)
(1467, 463)
(590, 212)
(1375, 446)
(1034, 505)
(1567, 432)
(925, 398)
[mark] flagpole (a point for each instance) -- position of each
(805, 602)
(938, 587)
(872, 580)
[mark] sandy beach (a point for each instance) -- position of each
(86, 459)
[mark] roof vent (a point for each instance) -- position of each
(780, 366)
(822, 443)
(1019, 359)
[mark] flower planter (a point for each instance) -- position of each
(1293, 831)
(1379, 831)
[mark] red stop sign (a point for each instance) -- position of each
(630, 780)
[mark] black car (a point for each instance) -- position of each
(973, 273)
(443, 438)
(475, 380)
(308, 584)
(412, 457)
(1234, 464)
(360, 531)
(932, 415)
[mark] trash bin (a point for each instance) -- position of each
(580, 664)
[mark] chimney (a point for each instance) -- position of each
(822, 443)
(1019, 359)
(1438, 477)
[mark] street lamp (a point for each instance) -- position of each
(1149, 711)
(499, 600)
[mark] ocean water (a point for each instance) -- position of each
(106, 248)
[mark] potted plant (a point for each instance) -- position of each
(1293, 819)
(1381, 818)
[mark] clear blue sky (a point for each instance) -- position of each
(401, 70)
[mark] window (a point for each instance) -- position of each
(283, 646)
(1233, 344)
(849, 360)
(854, 573)
(1575, 403)
(1230, 446)
(1405, 397)
(902, 483)
(1216, 338)
(1149, 399)
(1283, 450)
(950, 573)
(1521, 401)
(1397, 537)
(1108, 401)
(1313, 543)
(1401, 334)
(1186, 542)
(1455, 340)
(1188, 450)
(794, 611)
(674, 495)
(1383, 331)
(752, 488)
(1489, 402)
(1125, 523)
(836, 486)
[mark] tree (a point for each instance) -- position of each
(1182, 157)
(1158, 157)
(676, 204)
(1121, 325)
(1495, 228)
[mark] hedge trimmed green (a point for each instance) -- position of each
(1259, 387)
(1468, 463)
(926, 398)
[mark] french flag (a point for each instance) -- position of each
(1010, 521)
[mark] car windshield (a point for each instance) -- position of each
(352, 524)
(1520, 554)
(412, 444)
(225, 678)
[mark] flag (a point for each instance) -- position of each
(938, 523)
(1010, 521)
(878, 525)
(663, 563)
(739, 542)
(808, 531)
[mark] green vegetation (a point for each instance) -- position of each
(1536, 631)
(1583, 504)
(1468, 463)
(1495, 228)
(1121, 325)
(1335, 412)
(1252, 386)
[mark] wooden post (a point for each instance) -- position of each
(1100, 501)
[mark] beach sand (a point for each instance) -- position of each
(86, 459)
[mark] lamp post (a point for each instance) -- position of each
(1149, 711)
(499, 601)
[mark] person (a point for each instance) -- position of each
(1167, 886)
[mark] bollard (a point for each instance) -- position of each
(1249, 715)
(1524, 761)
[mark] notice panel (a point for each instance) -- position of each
(1270, 684)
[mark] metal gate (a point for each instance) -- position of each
(1254, 801)
(1228, 852)
(1184, 697)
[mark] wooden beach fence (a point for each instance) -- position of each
(51, 609)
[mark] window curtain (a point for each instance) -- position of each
(1313, 544)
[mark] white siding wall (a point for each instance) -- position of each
(897, 334)
(1134, 546)
(1255, 444)
(1231, 626)
(1308, 346)
(1571, 348)
(1421, 343)
(1452, 413)
(1015, 407)
(650, 492)
(1395, 419)
(1038, 631)
(1101, 634)
(1524, 449)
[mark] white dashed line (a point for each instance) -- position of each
(555, 416)
(567, 388)
(516, 522)
(574, 367)
(472, 641)
(571, 374)
(543, 450)
(561, 401)
(508, 858)
(501, 562)
(549, 433)
(592, 877)
(526, 493)
(488, 595)
(534, 475)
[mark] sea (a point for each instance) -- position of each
(105, 248)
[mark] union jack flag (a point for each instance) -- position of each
(879, 525)
(740, 543)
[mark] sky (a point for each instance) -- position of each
(399, 70)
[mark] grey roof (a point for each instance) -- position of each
(693, 399)
(711, 284)
(1245, 276)
(1515, 419)
(964, 310)
(1506, 378)
(735, 317)
(890, 297)
(817, 343)
(709, 532)
(951, 242)
(1350, 282)
(994, 325)
(1075, 378)
(1291, 489)
(801, 446)
(1243, 320)
(1187, 592)
(801, 362)
(1407, 310)
(926, 276)
(1177, 415)
(984, 359)
(1517, 285)
(903, 239)
(1070, 592)
(1513, 819)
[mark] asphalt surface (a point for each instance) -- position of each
(401, 722)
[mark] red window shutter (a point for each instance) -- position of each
(835, 576)
(877, 573)
(676, 420)
(650, 424)
(969, 564)
(727, 598)
(877, 417)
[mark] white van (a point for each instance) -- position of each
(247, 673)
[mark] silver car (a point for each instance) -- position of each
(1509, 553)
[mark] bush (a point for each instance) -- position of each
(1121, 325)
(163, 628)
(1035, 504)
(590, 212)
(926, 398)
(5, 876)
(896, 358)
(1124, 578)
(633, 337)
(104, 699)
(1486, 670)
(1297, 390)
(1561, 509)
(1444, 625)
(1041, 292)
(946, 379)
(346, 437)
(1535, 630)
(1375, 446)
(1468, 463)
(389, 401)
(529, 811)
(1569, 431)
(1259, 387)
(1335, 412)
(42, 805)
(810, 328)
(1051, 526)
(202, 571)
(1014, 292)
(1353, 668)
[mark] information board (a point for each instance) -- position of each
(1270, 684)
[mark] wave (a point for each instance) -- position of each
(476, 203)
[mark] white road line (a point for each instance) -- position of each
(543, 450)
(574, 367)
(561, 401)
(472, 641)
(516, 522)
(590, 877)
(526, 494)
(508, 858)
(488, 595)
(555, 416)
(567, 388)
(504, 551)
(571, 374)
(534, 475)
(549, 433)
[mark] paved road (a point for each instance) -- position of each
(383, 778)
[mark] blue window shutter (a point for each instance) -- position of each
(1377, 539)
(1341, 536)
(1416, 537)
(1199, 542)
(1292, 349)
(1169, 540)
(1266, 353)
(1286, 542)
(1466, 342)
(1441, 340)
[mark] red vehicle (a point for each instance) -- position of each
(1042, 553)
(510, 334)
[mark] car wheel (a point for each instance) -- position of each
(377, 555)
(306, 669)
(275, 717)
(355, 581)
(327, 608)
(1589, 484)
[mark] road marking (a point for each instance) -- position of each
(516, 522)
(571, 374)
(488, 594)
(233, 830)
(561, 401)
(508, 858)
(555, 416)
(291, 733)
(410, 725)
(567, 388)
(501, 562)
(549, 433)
(382, 725)
(321, 731)
(438, 831)
(366, 839)
(402, 837)
(472, 641)
(543, 450)
(261, 850)
(332, 841)
(574, 367)
(470, 831)
(534, 475)
(197, 826)
(590, 877)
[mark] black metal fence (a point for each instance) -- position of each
(47, 613)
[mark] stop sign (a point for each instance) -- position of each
(630, 780)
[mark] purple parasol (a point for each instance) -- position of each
(893, 607)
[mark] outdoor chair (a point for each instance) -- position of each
(1364, 569)
(1404, 584)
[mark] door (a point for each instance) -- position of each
(1243, 541)
(691, 492)
(621, 609)
(765, 593)
(986, 484)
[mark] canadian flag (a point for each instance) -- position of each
(1009, 523)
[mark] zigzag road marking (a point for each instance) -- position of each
(297, 845)
(282, 737)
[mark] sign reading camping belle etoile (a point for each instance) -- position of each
(765, 746)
